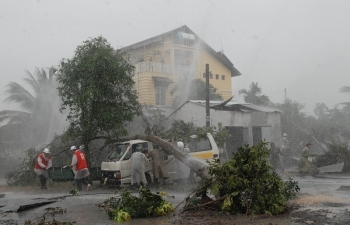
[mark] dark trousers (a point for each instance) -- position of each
(80, 182)
(43, 181)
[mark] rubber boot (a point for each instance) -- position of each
(42, 181)
(79, 183)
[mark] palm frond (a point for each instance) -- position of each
(20, 95)
(345, 89)
(344, 103)
(32, 81)
(41, 75)
(13, 116)
(243, 91)
(52, 72)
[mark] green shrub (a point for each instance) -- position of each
(128, 206)
(248, 184)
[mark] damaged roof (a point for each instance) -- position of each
(160, 38)
(230, 106)
(234, 106)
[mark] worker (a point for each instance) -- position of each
(286, 151)
(159, 171)
(275, 157)
(186, 149)
(182, 169)
(138, 168)
(42, 164)
(119, 153)
(305, 167)
(81, 169)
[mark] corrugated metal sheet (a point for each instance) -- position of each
(235, 106)
(26, 204)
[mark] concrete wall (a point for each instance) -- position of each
(192, 112)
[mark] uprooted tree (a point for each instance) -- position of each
(245, 184)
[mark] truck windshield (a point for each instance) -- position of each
(118, 152)
(199, 144)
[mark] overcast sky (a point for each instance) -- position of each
(301, 46)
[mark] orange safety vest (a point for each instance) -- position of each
(43, 160)
(81, 161)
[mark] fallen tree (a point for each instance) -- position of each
(245, 184)
(199, 167)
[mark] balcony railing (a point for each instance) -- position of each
(154, 67)
(164, 68)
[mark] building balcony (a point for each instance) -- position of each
(164, 68)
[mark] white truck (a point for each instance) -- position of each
(116, 169)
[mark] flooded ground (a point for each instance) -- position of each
(322, 200)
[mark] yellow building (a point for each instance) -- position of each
(177, 56)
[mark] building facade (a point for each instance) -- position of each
(246, 123)
(177, 57)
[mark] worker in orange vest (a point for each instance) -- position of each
(42, 164)
(79, 165)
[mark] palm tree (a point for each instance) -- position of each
(27, 101)
(345, 89)
(254, 96)
(32, 103)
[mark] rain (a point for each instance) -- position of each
(285, 67)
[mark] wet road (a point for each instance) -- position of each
(80, 208)
(330, 193)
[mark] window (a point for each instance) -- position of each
(211, 75)
(222, 77)
(217, 76)
(160, 95)
(199, 145)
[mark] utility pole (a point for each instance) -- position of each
(285, 94)
(207, 118)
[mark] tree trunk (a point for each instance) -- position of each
(199, 167)
(346, 168)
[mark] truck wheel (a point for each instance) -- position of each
(148, 178)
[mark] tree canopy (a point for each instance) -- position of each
(36, 106)
(253, 95)
(96, 86)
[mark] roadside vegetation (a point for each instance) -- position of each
(245, 184)
(127, 206)
(327, 128)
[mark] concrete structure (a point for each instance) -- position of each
(247, 123)
(178, 55)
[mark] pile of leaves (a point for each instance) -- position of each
(127, 206)
(247, 184)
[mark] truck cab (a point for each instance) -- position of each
(116, 168)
